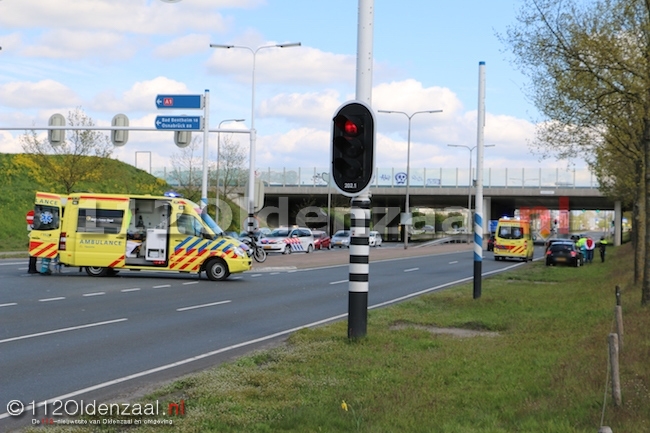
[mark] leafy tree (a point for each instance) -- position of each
(589, 69)
(230, 160)
(79, 158)
(187, 169)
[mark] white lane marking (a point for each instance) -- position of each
(51, 299)
(94, 294)
(256, 275)
(56, 331)
(411, 269)
(162, 286)
(13, 264)
(242, 344)
(178, 363)
(193, 307)
(135, 289)
(454, 262)
(275, 273)
(22, 269)
(338, 282)
(191, 282)
(8, 305)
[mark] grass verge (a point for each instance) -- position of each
(541, 368)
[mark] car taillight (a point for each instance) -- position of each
(573, 254)
(62, 239)
(548, 252)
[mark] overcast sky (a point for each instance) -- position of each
(115, 56)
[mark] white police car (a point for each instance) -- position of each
(288, 240)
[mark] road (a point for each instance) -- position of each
(69, 336)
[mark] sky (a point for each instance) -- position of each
(115, 56)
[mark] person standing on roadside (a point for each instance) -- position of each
(602, 245)
(31, 269)
(590, 246)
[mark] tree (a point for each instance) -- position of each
(232, 173)
(589, 68)
(80, 157)
(187, 170)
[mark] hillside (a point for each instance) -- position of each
(17, 188)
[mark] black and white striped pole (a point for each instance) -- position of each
(359, 267)
(353, 138)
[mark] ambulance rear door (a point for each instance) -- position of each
(46, 232)
(99, 238)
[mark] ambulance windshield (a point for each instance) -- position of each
(210, 222)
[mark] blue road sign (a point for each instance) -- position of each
(179, 123)
(179, 101)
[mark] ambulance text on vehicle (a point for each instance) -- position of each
(513, 240)
(105, 233)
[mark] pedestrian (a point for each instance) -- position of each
(580, 244)
(590, 245)
(602, 245)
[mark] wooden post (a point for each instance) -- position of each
(613, 360)
(619, 326)
(619, 318)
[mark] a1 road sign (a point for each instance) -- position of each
(179, 123)
(179, 101)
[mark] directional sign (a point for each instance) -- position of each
(179, 101)
(179, 123)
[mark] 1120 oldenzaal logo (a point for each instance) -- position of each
(80, 412)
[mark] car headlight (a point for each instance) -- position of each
(240, 252)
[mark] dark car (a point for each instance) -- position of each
(490, 243)
(563, 253)
(321, 240)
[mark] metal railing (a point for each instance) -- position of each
(422, 177)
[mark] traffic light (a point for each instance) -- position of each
(353, 148)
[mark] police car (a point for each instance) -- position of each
(288, 240)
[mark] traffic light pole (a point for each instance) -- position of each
(359, 267)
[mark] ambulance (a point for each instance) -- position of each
(513, 240)
(105, 233)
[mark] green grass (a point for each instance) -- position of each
(545, 371)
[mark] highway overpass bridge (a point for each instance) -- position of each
(507, 191)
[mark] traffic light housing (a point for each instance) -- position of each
(353, 147)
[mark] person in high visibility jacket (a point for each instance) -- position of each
(602, 245)
(580, 244)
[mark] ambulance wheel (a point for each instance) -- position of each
(217, 270)
(96, 271)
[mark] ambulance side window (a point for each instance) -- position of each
(188, 225)
(99, 221)
(46, 217)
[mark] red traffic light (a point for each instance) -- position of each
(353, 148)
(351, 127)
(347, 125)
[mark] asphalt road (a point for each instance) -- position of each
(69, 336)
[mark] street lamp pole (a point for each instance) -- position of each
(253, 133)
(408, 166)
(216, 213)
(469, 185)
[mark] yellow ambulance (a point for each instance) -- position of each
(513, 240)
(105, 233)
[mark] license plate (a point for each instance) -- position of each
(561, 259)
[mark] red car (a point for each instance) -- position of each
(321, 240)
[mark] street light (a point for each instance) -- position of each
(253, 133)
(469, 185)
(216, 214)
(408, 167)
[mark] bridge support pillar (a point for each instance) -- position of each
(618, 224)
